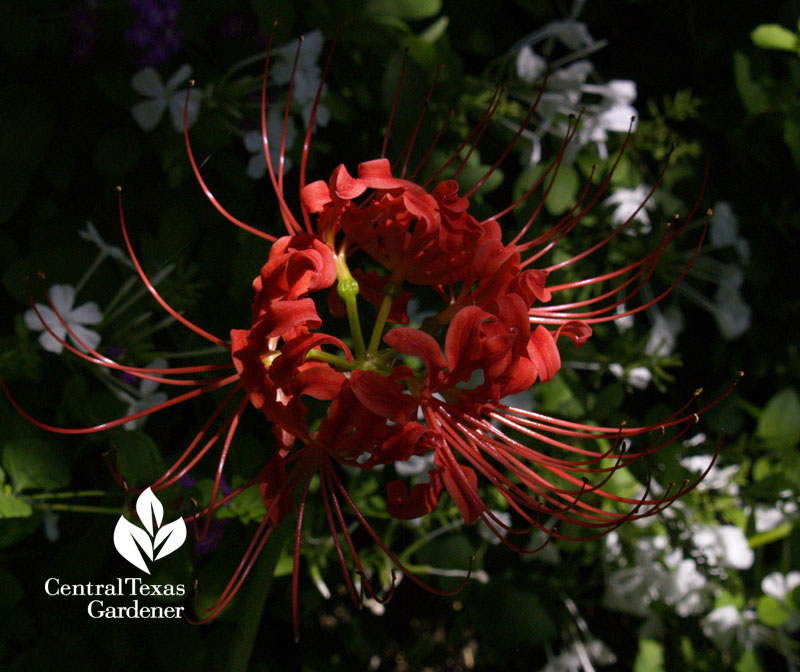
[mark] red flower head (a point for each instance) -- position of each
(496, 332)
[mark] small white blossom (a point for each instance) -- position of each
(638, 377)
(530, 66)
(629, 204)
(148, 113)
(779, 585)
(727, 624)
(307, 76)
(664, 334)
(625, 322)
(63, 298)
(147, 398)
(575, 656)
(257, 166)
(486, 532)
(91, 234)
(717, 479)
(723, 546)
(724, 229)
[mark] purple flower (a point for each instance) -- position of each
(155, 32)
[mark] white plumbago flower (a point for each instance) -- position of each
(308, 74)
(63, 298)
(718, 479)
(483, 529)
(638, 377)
(257, 166)
(630, 204)
(632, 589)
(732, 314)
(530, 66)
(768, 518)
(148, 397)
(727, 624)
(623, 323)
(148, 113)
(723, 546)
(664, 334)
(576, 655)
(684, 585)
(779, 585)
(724, 229)
(91, 234)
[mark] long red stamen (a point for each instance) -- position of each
(202, 183)
(155, 294)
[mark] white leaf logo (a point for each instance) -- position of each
(130, 540)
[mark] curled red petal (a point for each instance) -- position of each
(462, 343)
(382, 397)
(282, 316)
(463, 488)
(418, 344)
(320, 381)
(422, 500)
(576, 331)
(344, 185)
(315, 196)
(544, 354)
(377, 174)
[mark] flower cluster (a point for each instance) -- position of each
(360, 248)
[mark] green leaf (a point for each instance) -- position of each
(32, 464)
(774, 36)
(791, 136)
(140, 460)
(779, 424)
(405, 9)
(650, 657)
(749, 662)
(11, 507)
(771, 612)
(754, 98)
(564, 192)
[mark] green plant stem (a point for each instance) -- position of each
(380, 322)
(79, 508)
(330, 359)
(255, 597)
(69, 495)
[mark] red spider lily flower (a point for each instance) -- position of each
(499, 322)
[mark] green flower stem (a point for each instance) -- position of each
(380, 323)
(90, 272)
(79, 508)
(347, 288)
(69, 495)
(255, 597)
(336, 360)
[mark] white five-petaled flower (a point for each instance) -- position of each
(306, 77)
(63, 298)
(638, 377)
(723, 546)
(91, 234)
(148, 397)
(254, 144)
(630, 204)
(148, 113)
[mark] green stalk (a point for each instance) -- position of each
(347, 288)
(255, 597)
(336, 360)
(380, 323)
(79, 508)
